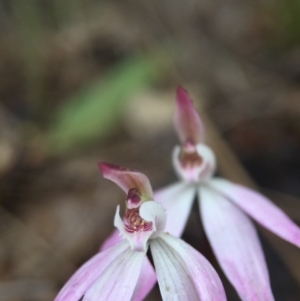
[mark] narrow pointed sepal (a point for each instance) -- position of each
(183, 273)
(260, 209)
(187, 122)
(236, 245)
(127, 179)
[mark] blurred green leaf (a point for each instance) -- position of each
(95, 111)
(286, 17)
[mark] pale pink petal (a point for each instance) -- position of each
(187, 122)
(118, 280)
(173, 279)
(147, 278)
(236, 245)
(183, 273)
(127, 179)
(89, 272)
(177, 199)
(260, 208)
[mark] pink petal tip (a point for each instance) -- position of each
(187, 122)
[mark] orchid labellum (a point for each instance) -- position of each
(123, 272)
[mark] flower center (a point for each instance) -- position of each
(189, 156)
(134, 223)
(133, 220)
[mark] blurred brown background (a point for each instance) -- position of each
(83, 81)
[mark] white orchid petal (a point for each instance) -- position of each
(195, 271)
(154, 212)
(77, 285)
(118, 223)
(118, 280)
(260, 208)
(177, 199)
(236, 246)
(174, 280)
(209, 161)
(183, 273)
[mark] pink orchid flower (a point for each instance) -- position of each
(224, 208)
(121, 272)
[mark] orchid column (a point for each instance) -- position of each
(120, 272)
